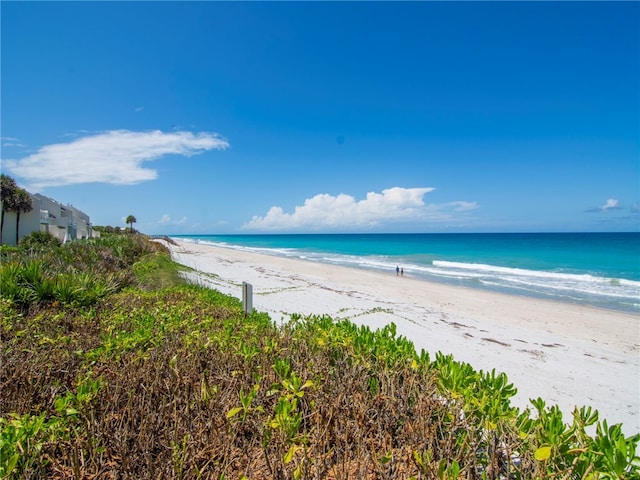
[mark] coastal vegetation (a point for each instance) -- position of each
(113, 367)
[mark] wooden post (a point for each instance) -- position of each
(247, 298)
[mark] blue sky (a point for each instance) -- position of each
(243, 117)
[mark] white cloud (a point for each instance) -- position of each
(327, 212)
(611, 203)
(114, 157)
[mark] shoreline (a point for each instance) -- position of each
(574, 284)
(568, 354)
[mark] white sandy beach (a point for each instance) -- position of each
(567, 354)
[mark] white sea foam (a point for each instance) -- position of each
(515, 272)
(585, 287)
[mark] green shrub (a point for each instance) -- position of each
(39, 241)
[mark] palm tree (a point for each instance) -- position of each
(8, 189)
(23, 205)
(131, 220)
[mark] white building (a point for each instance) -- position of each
(62, 221)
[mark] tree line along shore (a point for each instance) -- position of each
(114, 367)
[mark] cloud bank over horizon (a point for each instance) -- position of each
(344, 213)
(114, 157)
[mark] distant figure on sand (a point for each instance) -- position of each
(402, 272)
(397, 270)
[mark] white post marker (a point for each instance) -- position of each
(247, 298)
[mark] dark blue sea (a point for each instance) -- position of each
(598, 269)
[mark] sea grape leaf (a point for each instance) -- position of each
(543, 453)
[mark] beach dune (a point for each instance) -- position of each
(569, 355)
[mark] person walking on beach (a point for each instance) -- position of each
(402, 272)
(397, 271)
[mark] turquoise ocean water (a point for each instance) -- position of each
(599, 269)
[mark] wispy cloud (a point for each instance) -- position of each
(11, 142)
(167, 220)
(167, 225)
(610, 204)
(464, 206)
(114, 157)
(75, 134)
(343, 212)
(138, 109)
